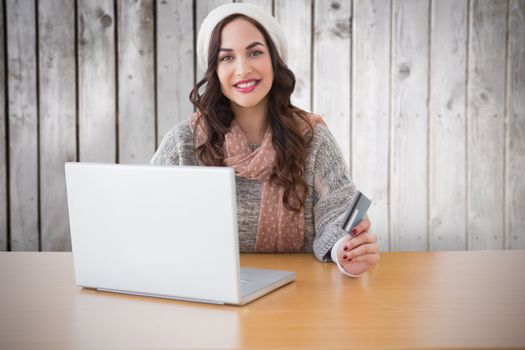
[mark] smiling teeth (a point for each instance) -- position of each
(247, 85)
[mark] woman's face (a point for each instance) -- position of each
(244, 55)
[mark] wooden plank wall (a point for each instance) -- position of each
(22, 164)
(3, 172)
(426, 99)
(409, 125)
(56, 117)
(370, 111)
(447, 125)
(96, 57)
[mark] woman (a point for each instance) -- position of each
(292, 187)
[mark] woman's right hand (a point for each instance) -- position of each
(359, 253)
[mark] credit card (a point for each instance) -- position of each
(356, 212)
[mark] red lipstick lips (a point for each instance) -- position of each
(247, 88)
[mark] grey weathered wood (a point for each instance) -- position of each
(266, 4)
(409, 179)
(447, 156)
(515, 162)
(136, 93)
(370, 110)
(296, 19)
(3, 164)
(202, 8)
(96, 81)
(175, 75)
(331, 72)
(57, 116)
(447, 202)
(476, 144)
(23, 149)
(486, 96)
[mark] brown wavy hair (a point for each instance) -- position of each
(287, 137)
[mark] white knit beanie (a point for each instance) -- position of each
(257, 13)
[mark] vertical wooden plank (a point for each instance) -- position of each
(96, 81)
(515, 162)
(23, 150)
(447, 125)
(408, 203)
(57, 111)
(266, 4)
(202, 8)
(296, 20)
(174, 63)
(136, 88)
(3, 164)
(486, 96)
(331, 82)
(370, 109)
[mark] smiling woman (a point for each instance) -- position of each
(245, 74)
(292, 183)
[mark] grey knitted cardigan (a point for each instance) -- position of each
(330, 190)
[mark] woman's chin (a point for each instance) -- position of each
(246, 103)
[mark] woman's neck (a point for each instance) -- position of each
(254, 121)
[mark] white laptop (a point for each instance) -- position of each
(167, 232)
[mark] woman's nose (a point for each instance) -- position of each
(243, 67)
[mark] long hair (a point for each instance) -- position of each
(287, 137)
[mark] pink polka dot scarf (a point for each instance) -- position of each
(279, 229)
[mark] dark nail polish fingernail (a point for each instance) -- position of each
(354, 231)
(345, 248)
(345, 257)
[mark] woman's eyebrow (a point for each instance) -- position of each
(255, 43)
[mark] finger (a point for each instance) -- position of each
(362, 249)
(362, 264)
(370, 258)
(357, 241)
(347, 240)
(344, 244)
(363, 226)
(365, 248)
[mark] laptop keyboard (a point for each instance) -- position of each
(245, 282)
(249, 285)
(255, 280)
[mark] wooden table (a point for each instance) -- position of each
(411, 300)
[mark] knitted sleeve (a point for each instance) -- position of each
(176, 147)
(334, 192)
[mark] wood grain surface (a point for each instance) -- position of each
(23, 125)
(57, 118)
(409, 153)
(515, 147)
(97, 80)
(174, 55)
(333, 33)
(136, 81)
(445, 300)
(3, 133)
(485, 124)
(371, 110)
(447, 125)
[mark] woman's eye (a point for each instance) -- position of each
(253, 53)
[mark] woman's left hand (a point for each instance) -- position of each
(359, 253)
